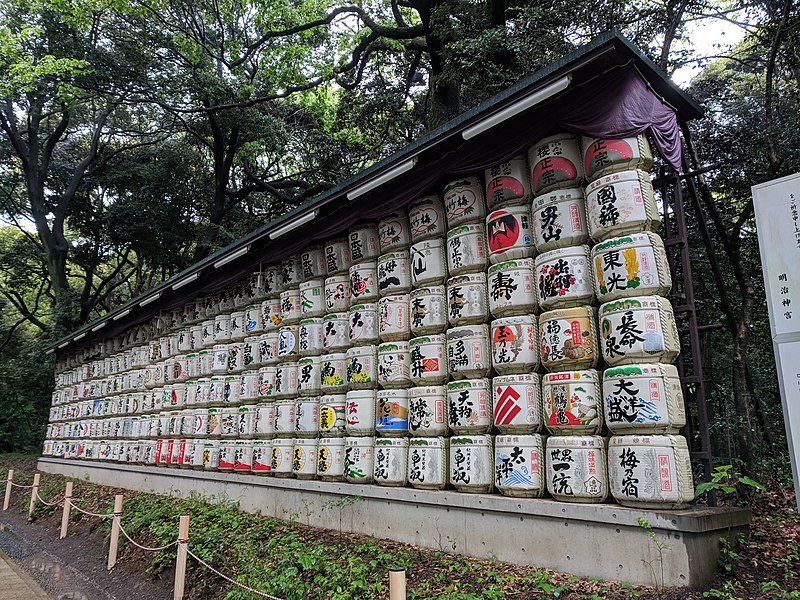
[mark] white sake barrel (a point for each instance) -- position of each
(235, 357)
(310, 337)
(469, 406)
(268, 347)
(393, 231)
(426, 218)
(337, 293)
(568, 339)
(337, 256)
(284, 418)
(364, 243)
(211, 455)
(519, 465)
(428, 362)
(264, 425)
(286, 380)
(576, 468)
(312, 263)
(281, 463)
(602, 156)
(359, 459)
(394, 273)
(227, 455)
(290, 306)
(472, 463)
(391, 413)
(309, 381)
(428, 463)
(184, 340)
(289, 342)
(271, 280)
(243, 456)
(564, 278)
(362, 367)
(633, 265)
(515, 344)
(332, 418)
(251, 354)
(333, 372)
(262, 457)
(466, 249)
(360, 413)
(335, 331)
(508, 184)
(517, 403)
(643, 398)
(271, 314)
(222, 332)
(464, 201)
(428, 262)
(306, 417)
(639, 329)
(256, 289)
(393, 318)
(427, 411)
(394, 365)
(291, 272)
(364, 282)
(469, 355)
(229, 422)
(509, 234)
(467, 299)
(312, 298)
(391, 461)
(555, 163)
(511, 288)
(572, 403)
(428, 310)
(266, 382)
(219, 359)
(330, 459)
(621, 203)
(237, 326)
(363, 324)
(650, 471)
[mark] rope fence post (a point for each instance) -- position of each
(397, 583)
(112, 548)
(9, 485)
(180, 560)
(34, 494)
(65, 513)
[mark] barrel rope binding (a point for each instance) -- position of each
(233, 581)
(147, 548)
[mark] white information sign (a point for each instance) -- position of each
(777, 210)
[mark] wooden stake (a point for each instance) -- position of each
(34, 493)
(9, 481)
(180, 560)
(397, 583)
(65, 514)
(112, 548)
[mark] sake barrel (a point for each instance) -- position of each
(330, 459)
(393, 231)
(393, 318)
(469, 406)
(332, 415)
(638, 329)
(237, 326)
(467, 299)
(235, 358)
(572, 403)
(310, 337)
(211, 455)
(281, 463)
(394, 273)
(266, 382)
(227, 455)
(428, 262)
(621, 203)
(576, 468)
(391, 461)
(472, 463)
(564, 278)
(284, 418)
(359, 459)
(633, 265)
(264, 426)
(364, 282)
(272, 280)
(262, 457)
(428, 362)
(268, 347)
(466, 249)
(391, 413)
(362, 367)
(229, 422)
(428, 310)
(291, 272)
(511, 288)
(246, 421)
(509, 234)
(515, 344)
(360, 413)
(306, 417)
(312, 298)
(312, 263)
(394, 365)
(428, 463)
(508, 183)
(219, 359)
(288, 342)
(364, 324)
(335, 331)
(243, 456)
(337, 256)
(251, 355)
(517, 403)
(519, 465)
(333, 372)
(337, 293)
(363, 243)
(568, 339)
(650, 471)
(555, 163)
(426, 218)
(602, 156)
(427, 411)
(309, 380)
(468, 352)
(643, 398)
(464, 202)
(271, 314)
(290, 306)
(286, 380)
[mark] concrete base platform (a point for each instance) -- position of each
(588, 540)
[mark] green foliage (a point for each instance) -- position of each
(726, 480)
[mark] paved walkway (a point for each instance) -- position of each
(16, 585)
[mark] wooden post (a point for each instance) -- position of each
(65, 514)
(34, 493)
(180, 560)
(9, 481)
(397, 583)
(112, 548)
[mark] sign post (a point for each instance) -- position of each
(777, 210)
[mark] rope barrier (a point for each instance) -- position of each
(148, 548)
(86, 512)
(225, 577)
(27, 487)
(56, 503)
